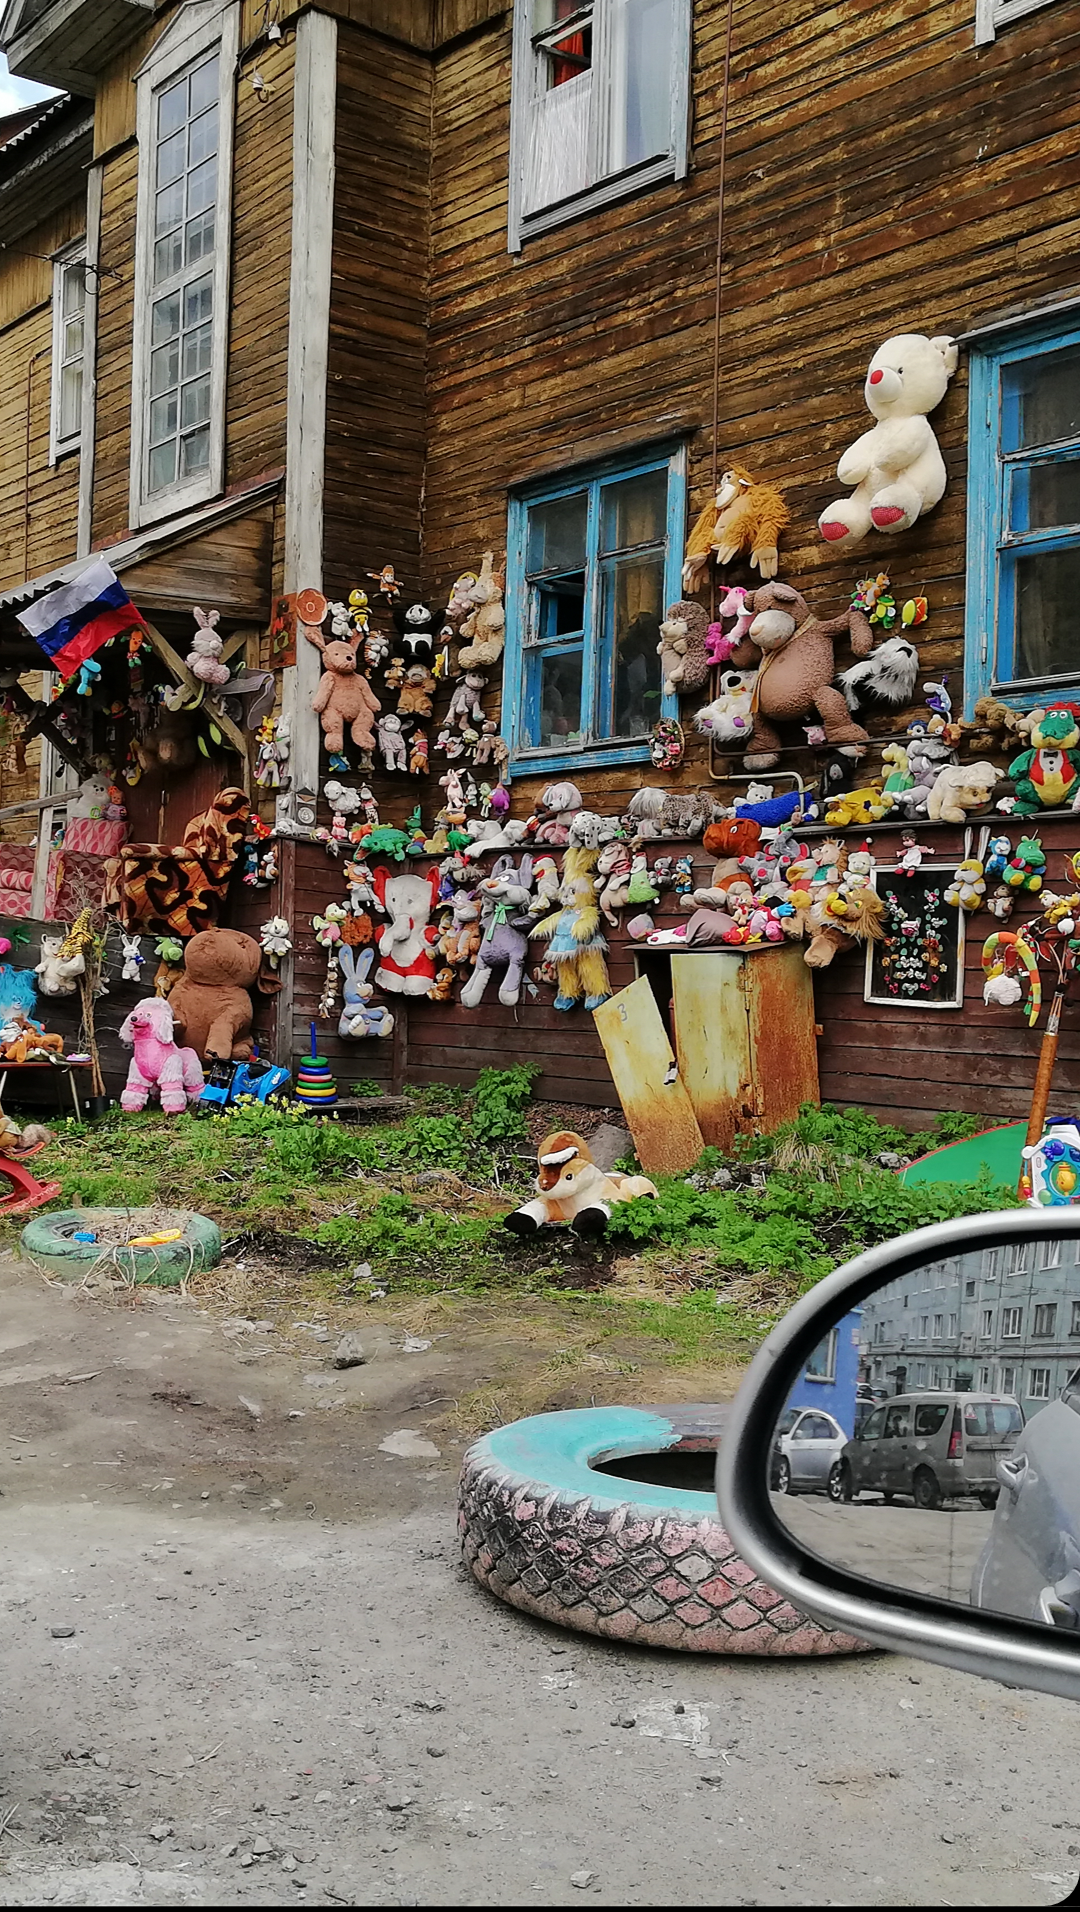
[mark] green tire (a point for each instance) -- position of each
(50, 1241)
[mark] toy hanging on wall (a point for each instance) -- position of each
(959, 788)
(504, 942)
(729, 719)
(1004, 955)
(133, 959)
(572, 1189)
(734, 604)
(614, 866)
(795, 652)
(653, 813)
(386, 583)
(968, 887)
(157, 1062)
(1047, 776)
(204, 658)
(684, 662)
(484, 629)
(1024, 870)
(576, 947)
(58, 973)
(406, 967)
(465, 706)
(417, 626)
(744, 519)
(887, 676)
(392, 742)
(896, 467)
(360, 1017)
(276, 940)
(344, 697)
(272, 739)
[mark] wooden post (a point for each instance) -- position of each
(1040, 1095)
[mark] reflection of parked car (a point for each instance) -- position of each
(931, 1446)
(1030, 1566)
(805, 1447)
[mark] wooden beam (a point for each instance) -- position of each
(175, 663)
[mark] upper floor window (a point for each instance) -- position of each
(992, 15)
(592, 562)
(68, 316)
(600, 104)
(185, 120)
(1024, 516)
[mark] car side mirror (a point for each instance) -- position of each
(955, 1536)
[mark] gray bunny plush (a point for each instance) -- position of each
(359, 1015)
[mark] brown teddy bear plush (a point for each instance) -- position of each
(344, 696)
(416, 692)
(794, 652)
(210, 1004)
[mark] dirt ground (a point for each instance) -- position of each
(243, 1666)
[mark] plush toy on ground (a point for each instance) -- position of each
(576, 946)
(1048, 775)
(157, 1062)
(743, 519)
(896, 467)
(794, 650)
(571, 1188)
(344, 696)
(210, 1003)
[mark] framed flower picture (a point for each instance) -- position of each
(919, 961)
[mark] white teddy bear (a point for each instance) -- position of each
(896, 467)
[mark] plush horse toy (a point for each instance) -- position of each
(571, 1188)
(157, 1063)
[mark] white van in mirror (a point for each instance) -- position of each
(948, 1524)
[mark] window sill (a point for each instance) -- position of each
(170, 504)
(606, 192)
(538, 763)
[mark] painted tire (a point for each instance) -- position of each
(545, 1532)
(49, 1240)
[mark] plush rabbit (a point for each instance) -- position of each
(505, 897)
(133, 959)
(359, 1015)
(204, 658)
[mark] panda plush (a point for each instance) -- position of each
(417, 626)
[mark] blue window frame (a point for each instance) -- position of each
(593, 561)
(1024, 515)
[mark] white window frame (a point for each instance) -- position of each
(200, 26)
(1006, 1380)
(991, 15)
(1040, 1310)
(828, 1377)
(1039, 1393)
(986, 1330)
(939, 1327)
(614, 186)
(73, 255)
(1008, 1317)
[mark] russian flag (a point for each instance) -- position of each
(72, 623)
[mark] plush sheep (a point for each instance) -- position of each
(896, 467)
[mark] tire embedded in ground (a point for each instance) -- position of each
(50, 1240)
(648, 1565)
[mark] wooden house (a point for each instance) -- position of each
(289, 294)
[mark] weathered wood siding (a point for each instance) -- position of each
(883, 175)
(37, 500)
(378, 311)
(256, 388)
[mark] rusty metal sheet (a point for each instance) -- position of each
(659, 1113)
(783, 1047)
(712, 1033)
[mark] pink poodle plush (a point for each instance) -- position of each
(157, 1063)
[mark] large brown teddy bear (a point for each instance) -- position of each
(344, 695)
(794, 652)
(210, 1004)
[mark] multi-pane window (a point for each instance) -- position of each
(182, 299)
(592, 566)
(969, 1291)
(822, 1363)
(1045, 1322)
(924, 1327)
(986, 1325)
(1024, 515)
(600, 104)
(1006, 1380)
(954, 1324)
(1074, 1325)
(68, 338)
(185, 132)
(1048, 1254)
(1011, 1321)
(1039, 1384)
(984, 1380)
(939, 1326)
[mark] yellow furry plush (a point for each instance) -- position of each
(859, 806)
(577, 947)
(745, 519)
